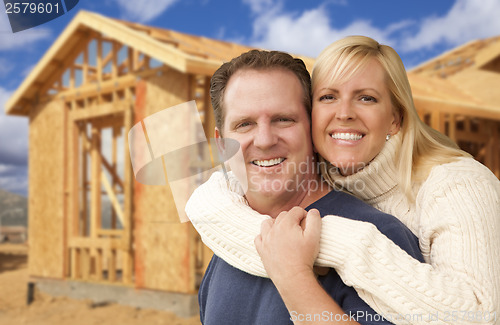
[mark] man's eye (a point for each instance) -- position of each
(284, 121)
(242, 125)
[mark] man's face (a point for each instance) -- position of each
(266, 115)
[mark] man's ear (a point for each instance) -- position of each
(217, 133)
(218, 140)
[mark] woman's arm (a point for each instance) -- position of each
(459, 221)
(288, 251)
(226, 224)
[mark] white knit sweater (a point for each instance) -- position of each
(456, 217)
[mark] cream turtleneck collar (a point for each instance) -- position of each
(374, 182)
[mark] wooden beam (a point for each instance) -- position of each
(96, 243)
(471, 137)
(433, 104)
(99, 111)
(202, 66)
(105, 163)
(119, 83)
(112, 171)
(112, 198)
(61, 65)
(111, 232)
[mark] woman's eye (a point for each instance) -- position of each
(326, 98)
(368, 99)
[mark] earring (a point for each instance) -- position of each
(387, 137)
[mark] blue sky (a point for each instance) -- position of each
(418, 30)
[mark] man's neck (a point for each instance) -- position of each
(273, 206)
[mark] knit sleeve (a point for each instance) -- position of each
(227, 225)
(459, 221)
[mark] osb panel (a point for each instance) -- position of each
(164, 257)
(168, 257)
(46, 190)
(482, 84)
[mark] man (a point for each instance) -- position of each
(262, 100)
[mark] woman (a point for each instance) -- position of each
(375, 146)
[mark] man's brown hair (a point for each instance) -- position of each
(256, 60)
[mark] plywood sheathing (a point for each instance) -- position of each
(164, 246)
(46, 191)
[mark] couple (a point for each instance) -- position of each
(371, 143)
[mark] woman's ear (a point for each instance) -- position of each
(396, 122)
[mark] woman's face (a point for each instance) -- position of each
(350, 121)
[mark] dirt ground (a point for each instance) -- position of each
(47, 310)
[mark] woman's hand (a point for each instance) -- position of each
(289, 244)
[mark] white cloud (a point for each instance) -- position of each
(13, 149)
(13, 41)
(14, 135)
(143, 11)
(309, 32)
(465, 21)
(5, 67)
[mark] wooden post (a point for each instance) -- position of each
(112, 265)
(66, 196)
(85, 263)
(453, 127)
(99, 60)
(114, 166)
(83, 230)
(95, 182)
(127, 190)
(436, 120)
(98, 264)
(85, 68)
(490, 145)
(75, 263)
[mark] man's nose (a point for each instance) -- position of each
(265, 137)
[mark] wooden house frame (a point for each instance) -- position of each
(457, 94)
(98, 79)
(101, 77)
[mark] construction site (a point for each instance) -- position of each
(94, 231)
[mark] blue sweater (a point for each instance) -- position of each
(230, 296)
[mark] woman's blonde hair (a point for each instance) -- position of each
(421, 147)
